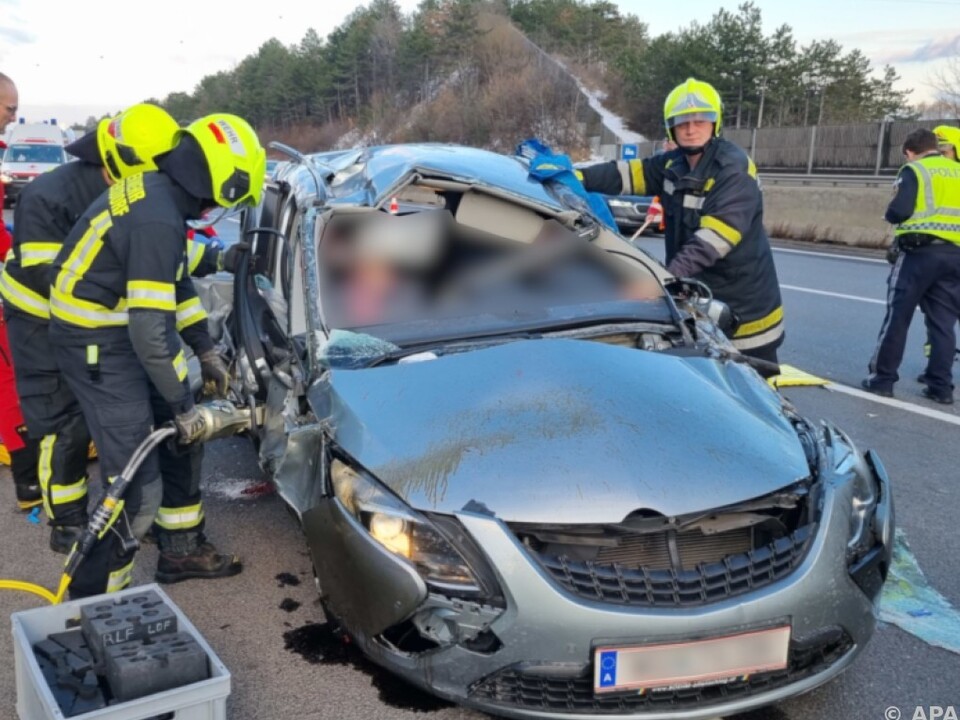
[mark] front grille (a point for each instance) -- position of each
(518, 687)
(652, 550)
(730, 575)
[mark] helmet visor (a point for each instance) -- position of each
(699, 116)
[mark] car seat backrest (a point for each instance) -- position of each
(488, 214)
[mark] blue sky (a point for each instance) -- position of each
(73, 59)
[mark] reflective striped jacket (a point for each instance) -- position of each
(127, 255)
(47, 210)
(714, 229)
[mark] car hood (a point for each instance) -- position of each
(565, 431)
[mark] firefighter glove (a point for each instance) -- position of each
(230, 258)
(216, 377)
(190, 426)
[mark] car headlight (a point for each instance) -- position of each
(863, 504)
(402, 531)
(5, 179)
(619, 203)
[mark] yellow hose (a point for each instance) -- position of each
(36, 589)
(62, 590)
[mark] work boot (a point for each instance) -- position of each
(23, 466)
(177, 562)
(943, 399)
(881, 390)
(62, 537)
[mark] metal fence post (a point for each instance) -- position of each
(753, 145)
(880, 139)
(813, 147)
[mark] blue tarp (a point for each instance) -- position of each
(909, 602)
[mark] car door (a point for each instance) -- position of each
(270, 326)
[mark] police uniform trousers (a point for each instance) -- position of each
(931, 275)
(53, 418)
(121, 408)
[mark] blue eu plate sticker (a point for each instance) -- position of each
(608, 668)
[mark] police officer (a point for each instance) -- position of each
(46, 211)
(926, 211)
(948, 141)
(713, 214)
(117, 284)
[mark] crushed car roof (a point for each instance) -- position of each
(377, 172)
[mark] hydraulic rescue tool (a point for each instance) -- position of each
(221, 418)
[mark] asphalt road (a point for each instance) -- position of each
(266, 630)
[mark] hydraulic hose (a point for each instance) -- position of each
(29, 588)
(100, 520)
(108, 507)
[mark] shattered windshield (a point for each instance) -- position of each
(427, 278)
(352, 350)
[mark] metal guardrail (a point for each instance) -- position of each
(801, 179)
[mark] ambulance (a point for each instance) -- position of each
(31, 149)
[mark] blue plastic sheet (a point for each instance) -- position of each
(910, 602)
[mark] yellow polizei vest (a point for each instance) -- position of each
(937, 211)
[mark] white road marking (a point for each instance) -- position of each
(832, 256)
(232, 218)
(894, 403)
(843, 296)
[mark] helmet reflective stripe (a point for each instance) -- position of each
(692, 117)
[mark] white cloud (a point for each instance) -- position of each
(95, 55)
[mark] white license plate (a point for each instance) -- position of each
(690, 664)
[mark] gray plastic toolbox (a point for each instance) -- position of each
(204, 700)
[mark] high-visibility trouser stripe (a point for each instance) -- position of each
(758, 326)
(53, 494)
(63, 494)
(84, 313)
(195, 252)
(119, 579)
(180, 366)
(190, 312)
(84, 253)
(38, 253)
(892, 283)
(45, 471)
(151, 295)
(713, 239)
(23, 298)
(183, 518)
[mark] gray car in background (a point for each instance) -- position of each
(532, 476)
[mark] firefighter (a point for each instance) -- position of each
(713, 214)
(117, 284)
(13, 432)
(46, 211)
(926, 212)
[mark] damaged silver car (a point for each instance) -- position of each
(532, 475)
